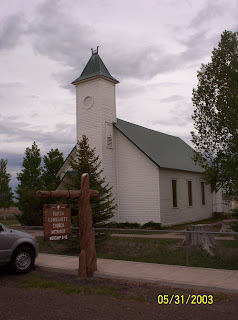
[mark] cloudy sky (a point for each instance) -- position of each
(153, 47)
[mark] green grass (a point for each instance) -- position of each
(55, 247)
(165, 251)
(161, 251)
(41, 282)
(170, 251)
(204, 221)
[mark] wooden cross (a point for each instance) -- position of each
(87, 256)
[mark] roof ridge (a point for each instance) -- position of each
(167, 134)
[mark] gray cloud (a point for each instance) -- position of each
(172, 98)
(209, 12)
(178, 116)
(12, 31)
(167, 84)
(69, 43)
(14, 166)
(15, 131)
(13, 118)
(55, 34)
(125, 91)
(148, 62)
(181, 113)
(14, 159)
(198, 45)
(66, 78)
(11, 85)
(170, 122)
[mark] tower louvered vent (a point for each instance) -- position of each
(109, 140)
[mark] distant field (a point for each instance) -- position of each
(9, 221)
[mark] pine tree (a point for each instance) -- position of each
(30, 181)
(85, 161)
(30, 177)
(52, 163)
(6, 194)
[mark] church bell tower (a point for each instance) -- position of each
(96, 105)
(96, 113)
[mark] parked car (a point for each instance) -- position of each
(18, 249)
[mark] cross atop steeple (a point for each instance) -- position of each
(95, 51)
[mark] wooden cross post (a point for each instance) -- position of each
(87, 256)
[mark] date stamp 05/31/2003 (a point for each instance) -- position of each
(182, 299)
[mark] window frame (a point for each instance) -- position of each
(190, 193)
(203, 198)
(174, 193)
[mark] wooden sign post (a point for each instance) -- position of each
(87, 256)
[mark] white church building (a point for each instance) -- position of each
(153, 175)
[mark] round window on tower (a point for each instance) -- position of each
(88, 102)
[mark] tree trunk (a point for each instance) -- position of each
(199, 238)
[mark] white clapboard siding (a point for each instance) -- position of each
(108, 116)
(92, 122)
(138, 184)
(183, 213)
(89, 120)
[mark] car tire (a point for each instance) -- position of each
(22, 260)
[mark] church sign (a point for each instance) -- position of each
(57, 222)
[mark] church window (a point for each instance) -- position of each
(174, 193)
(190, 198)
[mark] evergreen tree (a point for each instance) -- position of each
(30, 177)
(216, 115)
(30, 181)
(6, 194)
(86, 161)
(52, 163)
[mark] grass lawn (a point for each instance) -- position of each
(66, 288)
(162, 251)
(205, 221)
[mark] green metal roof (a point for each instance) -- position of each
(94, 68)
(164, 150)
